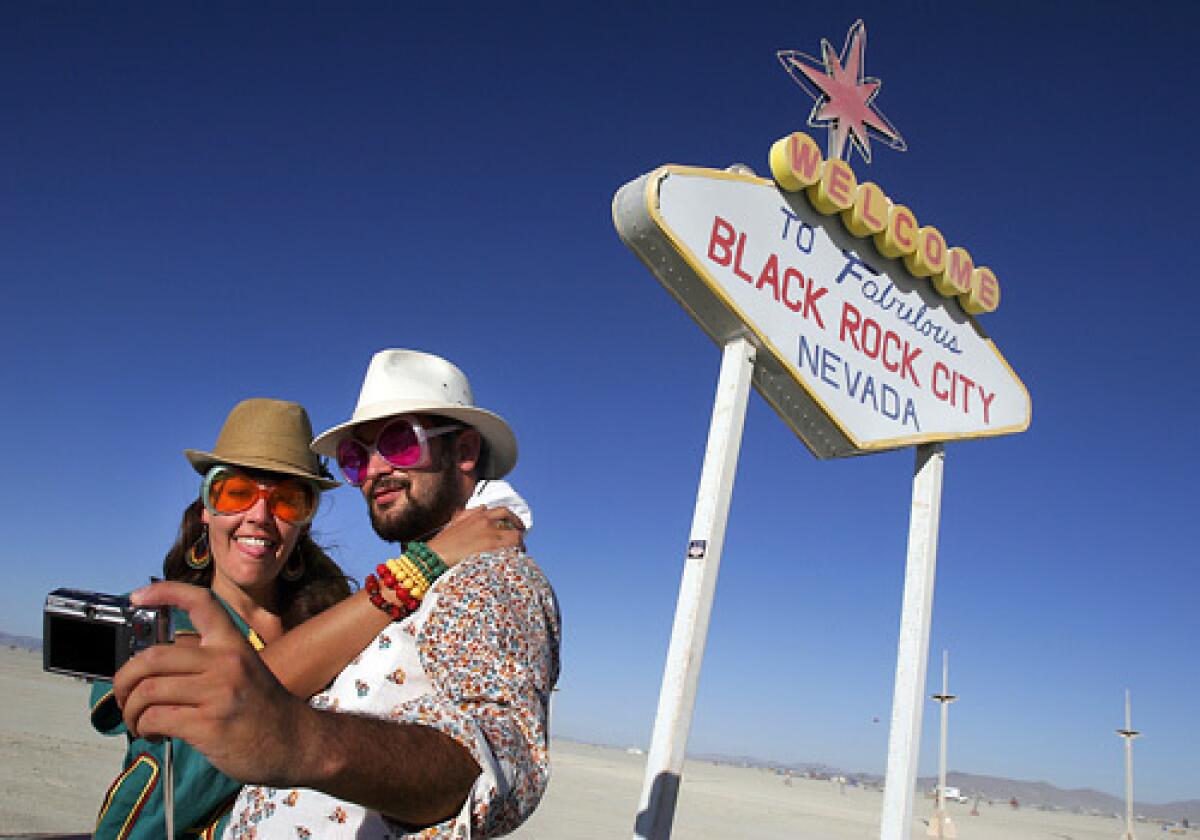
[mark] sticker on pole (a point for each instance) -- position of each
(863, 319)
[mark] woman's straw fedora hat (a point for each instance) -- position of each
(412, 382)
(264, 434)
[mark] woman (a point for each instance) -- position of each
(247, 538)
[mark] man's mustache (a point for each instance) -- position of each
(389, 483)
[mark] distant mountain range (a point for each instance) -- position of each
(22, 642)
(1041, 795)
(1046, 795)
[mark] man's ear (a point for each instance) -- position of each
(467, 446)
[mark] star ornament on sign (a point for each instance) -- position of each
(844, 95)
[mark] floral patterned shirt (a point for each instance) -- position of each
(476, 661)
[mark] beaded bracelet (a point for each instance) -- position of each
(409, 576)
(427, 556)
(419, 575)
(372, 587)
(402, 591)
(422, 567)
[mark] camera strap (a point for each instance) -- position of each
(169, 788)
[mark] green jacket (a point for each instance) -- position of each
(133, 807)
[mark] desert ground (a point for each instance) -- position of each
(54, 770)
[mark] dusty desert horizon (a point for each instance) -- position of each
(54, 770)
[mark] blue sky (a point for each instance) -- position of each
(206, 202)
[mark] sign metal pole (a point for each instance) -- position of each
(942, 827)
(676, 699)
(1128, 733)
(912, 655)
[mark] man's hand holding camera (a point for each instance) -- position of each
(218, 695)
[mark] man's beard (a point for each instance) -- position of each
(419, 518)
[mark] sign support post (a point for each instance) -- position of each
(676, 699)
(1128, 733)
(912, 655)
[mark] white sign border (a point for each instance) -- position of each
(651, 185)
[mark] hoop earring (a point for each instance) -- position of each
(292, 572)
(198, 556)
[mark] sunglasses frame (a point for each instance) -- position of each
(264, 492)
(422, 434)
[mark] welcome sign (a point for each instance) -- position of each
(856, 323)
(855, 352)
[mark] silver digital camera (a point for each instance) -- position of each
(91, 635)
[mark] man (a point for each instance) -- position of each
(440, 723)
